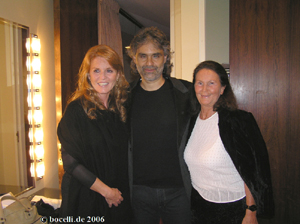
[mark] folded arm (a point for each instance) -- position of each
(112, 195)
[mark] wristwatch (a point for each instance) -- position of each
(252, 208)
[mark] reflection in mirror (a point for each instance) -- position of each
(14, 143)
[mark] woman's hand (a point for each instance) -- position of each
(250, 217)
(113, 197)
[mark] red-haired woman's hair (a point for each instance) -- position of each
(89, 96)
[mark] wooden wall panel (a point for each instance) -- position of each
(78, 33)
(265, 75)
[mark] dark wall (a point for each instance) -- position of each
(78, 33)
(265, 74)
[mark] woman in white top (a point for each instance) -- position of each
(226, 154)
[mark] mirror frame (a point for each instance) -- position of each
(26, 181)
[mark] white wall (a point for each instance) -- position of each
(217, 30)
(185, 35)
(199, 31)
(38, 16)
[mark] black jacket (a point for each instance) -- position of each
(181, 95)
(246, 147)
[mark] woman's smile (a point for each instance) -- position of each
(208, 88)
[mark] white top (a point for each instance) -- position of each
(212, 171)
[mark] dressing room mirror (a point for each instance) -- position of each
(14, 141)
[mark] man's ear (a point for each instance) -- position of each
(134, 59)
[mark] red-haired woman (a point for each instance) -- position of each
(94, 139)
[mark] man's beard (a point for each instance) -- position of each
(157, 73)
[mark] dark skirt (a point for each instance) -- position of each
(205, 212)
